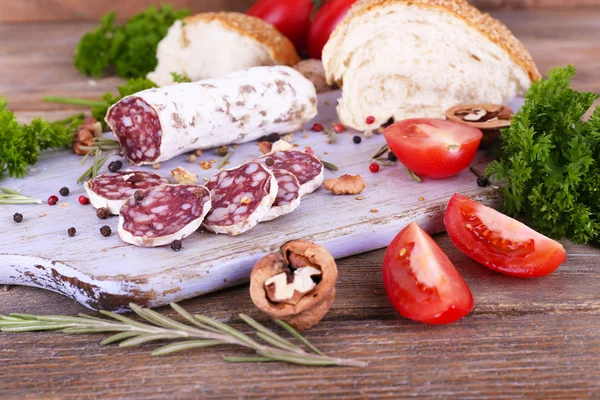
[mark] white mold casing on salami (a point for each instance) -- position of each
(288, 195)
(165, 213)
(112, 190)
(306, 167)
(241, 198)
(158, 124)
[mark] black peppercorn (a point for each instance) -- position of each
(273, 137)
(392, 157)
(115, 166)
(18, 217)
(357, 139)
(139, 195)
(64, 191)
(71, 231)
(222, 151)
(105, 231)
(482, 181)
(269, 161)
(102, 213)
(176, 245)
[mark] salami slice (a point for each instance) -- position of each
(157, 216)
(158, 124)
(112, 190)
(241, 197)
(306, 167)
(288, 195)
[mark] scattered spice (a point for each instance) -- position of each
(198, 153)
(115, 166)
(42, 214)
(183, 176)
(368, 133)
(374, 210)
(269, 161)
(71, 231)
(357, 139)
(317, 127)
(421, 198)
(392, 157)
(105, 231)
(63, 205)
(176, 245)
(222, 151)
(52, 200)
(331, 135)
(139, 195)
(83, 200)
(482, 181)
(265, 147)
(289, 137)
(205, 165)
(103, 212)
(338, 128)
(326, 102)
(18, 217)
(192, 158)
(156, 166)
(224, 159)
(305, 136)
(359, 198)
(370, 119)
(64, 191)
(374, 167)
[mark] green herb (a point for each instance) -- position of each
(382, 150)
(549, 166)
(130, 48)
(9, 196)
(20, 145)
(224, 160)
(110, 146)
(414, 176)
(329, 166)
(331, 134)
(200, 331)
(179, 78)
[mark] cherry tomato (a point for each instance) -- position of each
(499, 242)
(421, 281)
(434, 148)
(325, 21)
(290, 17)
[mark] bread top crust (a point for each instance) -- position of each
(490, 27)
(280, 49)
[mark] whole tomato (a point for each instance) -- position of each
(325, 21)
(290, 17)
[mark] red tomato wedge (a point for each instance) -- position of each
(421, 281)
(499, 242)
(434, 148)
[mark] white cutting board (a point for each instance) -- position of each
(105, 273)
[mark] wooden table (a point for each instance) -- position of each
(537, 338)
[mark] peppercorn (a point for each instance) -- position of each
(192, 158)
(64, 191)
(338, 128)
(105, 231)
(317, 127)
(270, 162)
(139, 195)
(222, 151)
(273, 137)
(392, 157)
(482, 181)
(176, 245)
(83, 200)
(17, 217)
(374, 167)
(71, 231)
(52, 200)
(370, 119)
(357, 139)
(102, 213)
(115, 166)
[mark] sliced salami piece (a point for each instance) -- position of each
(162, 214)
(111, 190)
(288, 195)
(306, 167)
(158, 124)
(241, 197)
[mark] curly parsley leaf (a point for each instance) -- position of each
(550, 160)
(180, 78)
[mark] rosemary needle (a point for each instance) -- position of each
(329, 166)
(224, 160)
(9, 196)
(331, 135)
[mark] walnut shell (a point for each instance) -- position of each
(487, 117)
(312, 306)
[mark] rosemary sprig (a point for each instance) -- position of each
(414, 176)
(384, 149)
(221, 163)
(110, 146)
(331, 135)
(384, 162)
(201, 332)
(9, 196)
(329, 166)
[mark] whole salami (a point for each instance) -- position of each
(112, 190)
(241, 197)
(157, 216)
(158, 124)
(288, 195)
(306, 167)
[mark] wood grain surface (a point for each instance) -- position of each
(526, 338)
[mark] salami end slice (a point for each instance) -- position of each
(241, 197)
(306, 167)
(112, 190)
(288, 195)
(162, 214)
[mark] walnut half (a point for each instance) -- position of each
(345, 184)
(489, 118)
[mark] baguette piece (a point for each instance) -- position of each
(211, 45)
(404, 59)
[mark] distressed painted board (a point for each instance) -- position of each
(105, 273)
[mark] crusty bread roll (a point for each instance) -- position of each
(416, 58)
(211, 45)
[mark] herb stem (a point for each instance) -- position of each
(331, 135)
(221, 163)
(329, 166)
(75, 101)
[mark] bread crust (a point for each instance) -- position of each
(490, 27)
(280, 49)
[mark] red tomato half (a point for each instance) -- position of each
(324, 23)
(421, 281)
(434, 148)
(290, 17)
(499, 242)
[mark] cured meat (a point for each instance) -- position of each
(306, 167)
(288, 195)
(158, 124)
(157, 216)
(111, 190)
(241, 197)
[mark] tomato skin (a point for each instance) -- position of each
(531, 254)
(290, 17)
(448, 300)
(324, 23)
(422, 145)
